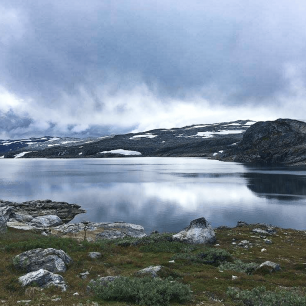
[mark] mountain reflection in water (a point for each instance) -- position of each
(162, 194)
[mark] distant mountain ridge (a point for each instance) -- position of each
(282, 141)
(202, 140)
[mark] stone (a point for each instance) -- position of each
(101, 281)
(3, 225)
(46, 221)
(272, 266)
(199, 231)
(43, 278)
(83, 275)
(267, 231)
(48, 259)
(5, 213)
(94, 255)
(98, 231)
(22, 217)
(245, 244)
(241, 224)
(65, 211)
(150, 271)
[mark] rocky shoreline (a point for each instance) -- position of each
(46, 264)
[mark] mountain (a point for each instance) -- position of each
(282, 141)
(204, 140)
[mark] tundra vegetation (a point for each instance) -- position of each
(224, 273)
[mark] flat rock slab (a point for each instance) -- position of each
(43, 278)
(272, 266)
(98, 231)
(199, 231)
(48, 259)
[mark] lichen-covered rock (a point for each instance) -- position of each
(94, 255)
(43, 278)
(65, 211)
(48, 259)
(46, 221)
(199, 231)
(272, 266)
(98, 231)
(5, 213)
(3, 226)
(101, 281)
(150, 271)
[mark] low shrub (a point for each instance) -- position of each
(210, 256)
(143, 291)
(259, 296)
(239, 266)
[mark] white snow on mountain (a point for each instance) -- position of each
(149, 135)
(122, 152)
(21, 154)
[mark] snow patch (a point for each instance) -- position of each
(221, 151)
(81, 153)
(215, 154)
(222, 132)
(122, 152)
(232, 124)
(54, 138)
(2, 156)
(249, 123)
(144, 136)
(53, 145)
(21, 154)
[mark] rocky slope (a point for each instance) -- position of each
(282, 141)
(205, 140)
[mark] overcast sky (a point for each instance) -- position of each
(111, 66)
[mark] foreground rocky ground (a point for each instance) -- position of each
(118, 264)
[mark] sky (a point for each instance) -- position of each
(98, 67)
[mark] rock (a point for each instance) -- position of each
(102, 281)
(94, 255)
(150, 271)
(234, 277)
(268, 231)
(282, 141)
(268, 241)
(43, 278)
(241, 224)
(22, 217)
(3, 225)
(199, 231)
(245, 244)
(48, 259)
(65, 211)
(84, 275)
(46, 221)
(272, 266)
(97, 231)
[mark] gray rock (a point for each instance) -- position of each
(97, 231)
(199, 231)
(3, 225)
(245, 244)
(94, 255)
(22, 217)
(102, 281)
(48, 259)
(150, 271)
(267, 231)
(46, 221)
(65, 211)
(271, 265)
(43, 278)
(241, 224)
(84, 275)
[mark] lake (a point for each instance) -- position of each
(162, 194)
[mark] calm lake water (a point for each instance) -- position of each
(162, 194)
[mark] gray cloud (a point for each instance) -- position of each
(68, 56)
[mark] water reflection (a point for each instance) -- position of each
(161, 193)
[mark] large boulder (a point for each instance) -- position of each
(48, 259)
(150, 271)
(65, 211)
(43, 278)
(199, 231)
(46, 221)
(5, 213)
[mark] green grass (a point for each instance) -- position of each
(207, 270)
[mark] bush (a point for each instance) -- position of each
(239, 266)
(261, 297)
(143, 291)
(210, 256)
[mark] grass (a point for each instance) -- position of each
(208, 270)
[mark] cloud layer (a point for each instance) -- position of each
(73, 67)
